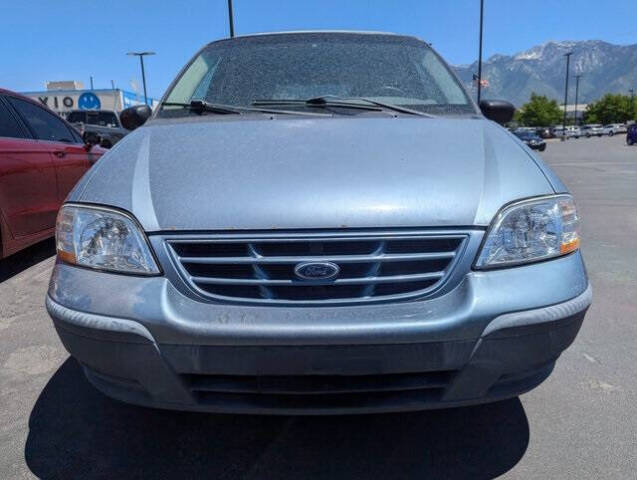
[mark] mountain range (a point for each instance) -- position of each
(605, 68)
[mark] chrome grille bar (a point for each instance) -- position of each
(331, 258)
(262, 268)
(304, 283)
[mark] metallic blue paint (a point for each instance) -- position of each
(300, 173)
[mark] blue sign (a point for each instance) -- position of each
(89, 101)
(130, 98)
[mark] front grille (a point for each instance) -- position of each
(262, 269)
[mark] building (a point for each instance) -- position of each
(572, 108)
(62, 97)
(65, 85)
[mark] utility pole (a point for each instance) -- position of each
(141, 62)
(568, 66)
(91, 82)
(479, 51)
(230, 18)
(577, 77)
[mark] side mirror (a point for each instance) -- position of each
(133, 117)
(497, 110)
(90, 139)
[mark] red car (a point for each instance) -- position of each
(41, 158)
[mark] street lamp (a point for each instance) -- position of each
(577, 77)
(231, 18)
(141, 56)
(480, 51)
(568, 65)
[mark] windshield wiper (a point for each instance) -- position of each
(320, 102)
(396, 108)
(201, 106)
(327, 101)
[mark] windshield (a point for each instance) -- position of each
(76, 117)
(525, 135)
(105, 119)
(386, 68)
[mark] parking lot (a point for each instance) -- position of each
(579, 424)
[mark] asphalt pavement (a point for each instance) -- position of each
(580, 424)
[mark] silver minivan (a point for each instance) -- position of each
(318, 223)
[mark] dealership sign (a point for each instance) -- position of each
(63, 101)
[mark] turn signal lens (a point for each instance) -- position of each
(570, 246)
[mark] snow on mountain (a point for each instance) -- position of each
(605, 68)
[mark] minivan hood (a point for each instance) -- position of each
(215, 173)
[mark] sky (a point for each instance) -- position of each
(44, 40)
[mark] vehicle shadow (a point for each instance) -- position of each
(76, 432)
(18, 262)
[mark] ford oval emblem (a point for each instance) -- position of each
(317, 270)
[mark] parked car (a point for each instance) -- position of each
(570, 132)
(544, 132)
(631, 134)
(310, 236)
(104, 123)
(531, 139)
(592, 130)
(613, 129)
(41, 159)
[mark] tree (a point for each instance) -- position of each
(611, 108)
(539, 112)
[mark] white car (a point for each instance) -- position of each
(592, 130)
(571, 132)
(614, 128)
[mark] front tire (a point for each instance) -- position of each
(611, 133)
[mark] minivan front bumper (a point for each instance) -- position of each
(496, 335)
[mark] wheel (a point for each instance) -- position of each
(588, 135)
(629, 141)
(611, 133)
(542, 148)
(106, 143)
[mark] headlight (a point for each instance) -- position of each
(531, 230)
(103, 239)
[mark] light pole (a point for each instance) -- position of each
(141, 56)
(577, 77)
(568, 65)
(480, 51)
(230, 18)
